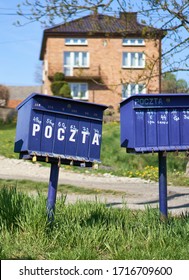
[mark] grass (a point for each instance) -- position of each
(27, 186)
(114, 159)
(87, 231)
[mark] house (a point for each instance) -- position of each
(18, 93)
(104, 58)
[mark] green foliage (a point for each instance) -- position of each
(56, 86)
(87, 231)
(58, 76)
(59, 87)
(65, 91)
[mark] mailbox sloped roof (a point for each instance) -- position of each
(50, 97)
(101, 25)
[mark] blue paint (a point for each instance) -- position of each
(162, 184)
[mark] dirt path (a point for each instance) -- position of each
(137, 192)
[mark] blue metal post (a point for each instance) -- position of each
(163, 184)
(52, 190)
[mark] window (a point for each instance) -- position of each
(75, 59)
(133, 60)
(79, 90)
(131, 89)
(133, 42)
(75, 41)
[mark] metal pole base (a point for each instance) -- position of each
(52, 190)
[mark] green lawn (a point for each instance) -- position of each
(87, 231)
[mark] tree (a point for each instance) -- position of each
(169, 15)
(4, 95)
(171, 85)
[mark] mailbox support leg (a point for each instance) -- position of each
(52, 190)
(163, 185)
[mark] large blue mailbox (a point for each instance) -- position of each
(58, 128)
(155, 122)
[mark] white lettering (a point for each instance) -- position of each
(73, 131)
(36, 128)
(96, 139)
(60, 134)
(48, 131)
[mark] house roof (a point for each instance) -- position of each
(101, 25)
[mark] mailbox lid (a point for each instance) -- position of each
(56, 104)
(157, 100)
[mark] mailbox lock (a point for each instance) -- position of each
(34, 158)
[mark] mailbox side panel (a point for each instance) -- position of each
(127, 124)
(22, 128)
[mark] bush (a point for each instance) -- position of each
(65, 91)
(4, 96)
(56, 86)
(59, 76)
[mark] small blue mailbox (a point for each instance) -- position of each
(155, 122)
(59, 128)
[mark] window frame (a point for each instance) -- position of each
(133, 42)
(128, 88)
(72, 58)
(76, 42)
(127, 60)
(79, 84)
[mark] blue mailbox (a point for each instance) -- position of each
(58, 128)
(155, 122)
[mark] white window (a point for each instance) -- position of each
(75, 41)
(131, 89)
(133, 60)
(79, 90)
(73, 60)
(133, 42)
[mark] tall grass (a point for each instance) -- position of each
(87, 231)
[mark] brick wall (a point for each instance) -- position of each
(106, 53)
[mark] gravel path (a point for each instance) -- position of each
(138, 193)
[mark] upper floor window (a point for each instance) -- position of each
(79, 90)
(75, 41)
(75, 59)
(131, 89)
(133, 42)
(133, 60)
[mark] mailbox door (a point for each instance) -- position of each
(48, 128)
(60, 134)
(72, 136)
(185, 127)
(174, 128)
(163, 128)
(84, 138)
(35, 130)
(139, 128)
(95, 141)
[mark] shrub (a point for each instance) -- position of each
(56, 86)
(65, 91)
(4, 96)
(58, 76)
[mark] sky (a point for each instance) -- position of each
(20, 48)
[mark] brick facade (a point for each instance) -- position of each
(105, 74)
